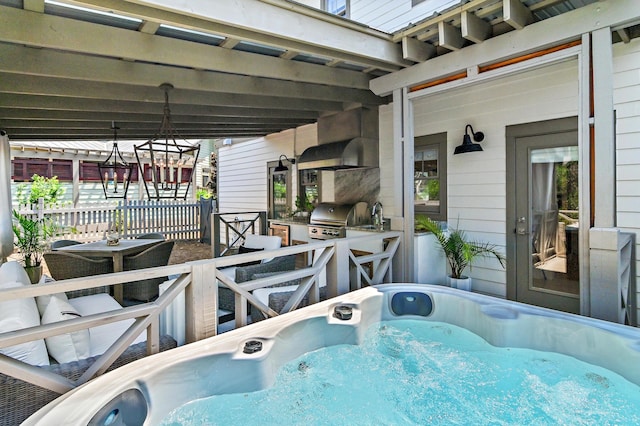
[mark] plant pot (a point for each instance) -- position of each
(34, 273)
(463, 283)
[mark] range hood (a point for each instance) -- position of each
(356, 152)
(345, 140)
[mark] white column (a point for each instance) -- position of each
(605, 158)
(407, 182)
(6, 231)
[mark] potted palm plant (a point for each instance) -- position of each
(32, 240)
(459, 251)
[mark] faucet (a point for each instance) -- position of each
(376, 214)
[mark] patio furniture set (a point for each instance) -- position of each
(68, 355)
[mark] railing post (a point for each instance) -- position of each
(338, 269)
(215, 234)
(201, 302)
(263, 222)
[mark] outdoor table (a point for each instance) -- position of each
(117, 253)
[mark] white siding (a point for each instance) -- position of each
(242, 167)
(388, 185)
(476, 182)
(626, 97)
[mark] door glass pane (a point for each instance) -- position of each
(279, 191)
(426, 178)
(554, 220)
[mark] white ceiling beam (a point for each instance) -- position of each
(31, 115)
(34, 62)
(473, 28)
(483, 7)
(550, 32)
(449, 36)
(289, 54)
(229, 43)
(417, 51)
(67, 34)
(270, 25)
(516, 14)
(149, 27)
(109, 106)
(624, 35)
(33, 5)
(47, 86)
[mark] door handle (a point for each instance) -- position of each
(521, 226)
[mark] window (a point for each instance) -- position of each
(337, 7)
(430, 176)
(25, 168)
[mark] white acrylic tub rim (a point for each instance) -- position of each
(218, 365)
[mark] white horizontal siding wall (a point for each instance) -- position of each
(476, 182)
(390, 196)
(393, 15)
(242, 168)
(626, 97)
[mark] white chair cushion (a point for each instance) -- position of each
(103, 336)
(266, 242)
(13, 272)
(68, 347)
(18, 314)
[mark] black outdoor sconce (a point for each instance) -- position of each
(467, 145)
(281, 167)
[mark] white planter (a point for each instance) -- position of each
(463, 283)
(430, 265)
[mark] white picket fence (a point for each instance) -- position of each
(176, 219)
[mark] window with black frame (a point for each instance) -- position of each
(430, 176)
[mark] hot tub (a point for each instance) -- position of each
(247, 359)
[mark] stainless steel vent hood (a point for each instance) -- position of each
(345, 140)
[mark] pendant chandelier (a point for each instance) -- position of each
(169, 170)
(115, 173)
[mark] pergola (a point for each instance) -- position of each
(240, 68)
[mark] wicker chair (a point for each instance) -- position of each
(63, 266)
(64, 243)
(277, 300)
(226, 297)
(145, 290)
(19, 399)
(151, 236)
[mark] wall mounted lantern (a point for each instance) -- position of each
(467, 145)
(281, 167)
(115, 173)
(172, 164)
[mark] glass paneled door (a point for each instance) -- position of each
(546, 221)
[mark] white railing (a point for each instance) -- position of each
(330, 266)
(176, 219)
(146, 317)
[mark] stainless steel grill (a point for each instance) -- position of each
(330, 220)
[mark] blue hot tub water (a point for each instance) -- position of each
(409, 372)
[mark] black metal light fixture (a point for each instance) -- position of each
(115, 172)
(467, 145)
(172, 164)
(281, 167)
